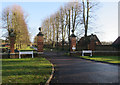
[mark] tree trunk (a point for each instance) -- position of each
(85, 30)
(53, 36)
(69, 31)
(62, 37)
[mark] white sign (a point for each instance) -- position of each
(87, 51)
(73, 48)
(26, 52)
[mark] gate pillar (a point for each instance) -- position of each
(12, 42)
(72, 42)
(40, 42)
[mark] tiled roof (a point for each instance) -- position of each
(89, 38)
(116, 42)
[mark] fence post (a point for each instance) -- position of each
(32, 55)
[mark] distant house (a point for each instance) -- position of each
(89, 41)
(5, 45)
(116, 43)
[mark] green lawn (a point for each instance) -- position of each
(3, 47)
(27, 48)
(109, 59)
(27, 70)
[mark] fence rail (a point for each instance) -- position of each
(25, 52)
(100, 53)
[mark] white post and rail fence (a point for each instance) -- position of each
(25, 52)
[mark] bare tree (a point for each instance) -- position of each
(88, 8)
(57, 25)
(35, 41)
(14, 18)
(62, 25)
(70, 17)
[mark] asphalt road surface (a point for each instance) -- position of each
(75, 70)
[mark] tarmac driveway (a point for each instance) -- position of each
(75, 70)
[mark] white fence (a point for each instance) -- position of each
(87, 51)
(26, 52)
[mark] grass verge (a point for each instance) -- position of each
(27, 70)
(27, 48)
(3, 47)
(108, 59)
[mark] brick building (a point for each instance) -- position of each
(116, 43)
(89, 42)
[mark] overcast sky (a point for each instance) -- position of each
(106, 20)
